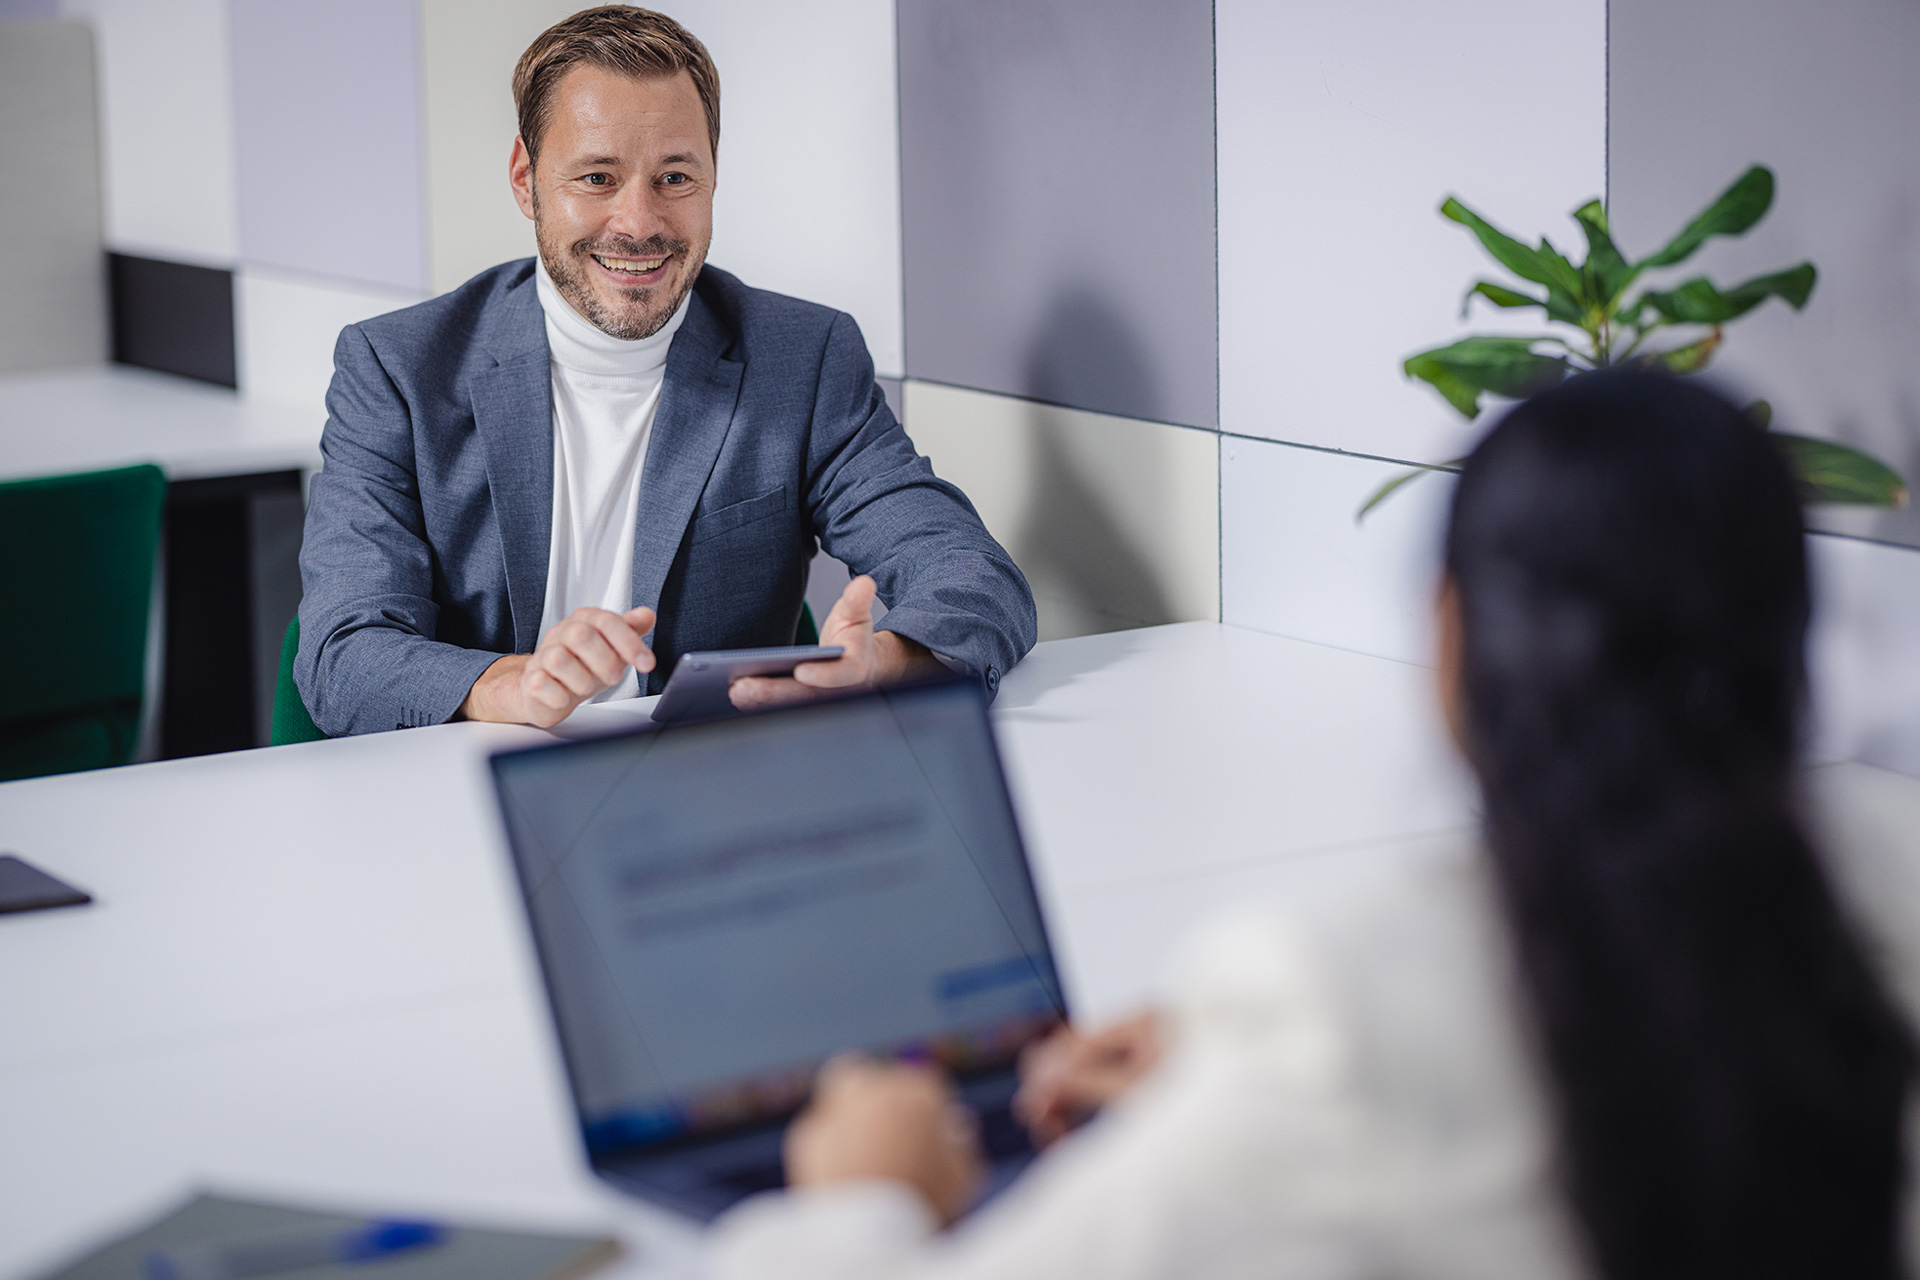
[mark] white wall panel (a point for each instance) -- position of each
(809, 195)
(285, 326)
(166, 110)
(1826, 95)
(1295, 562)
(328, 149)
(1865, 652)
(53, 296)
(469, 48)
(1341, 126)
(1115, 522)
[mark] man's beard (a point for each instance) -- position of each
(640, 318)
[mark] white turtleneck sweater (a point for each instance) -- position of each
(605, 391)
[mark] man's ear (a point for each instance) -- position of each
(520, 175)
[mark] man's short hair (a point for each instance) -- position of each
(617, 37)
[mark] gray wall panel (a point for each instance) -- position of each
(1827, 95)
(1058, 202)
(331, 170)
(53, 281)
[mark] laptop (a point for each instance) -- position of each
(720, 907)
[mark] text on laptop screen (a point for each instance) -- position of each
(720, 907)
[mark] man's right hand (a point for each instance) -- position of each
(589, 650)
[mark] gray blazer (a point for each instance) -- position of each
(429, 524)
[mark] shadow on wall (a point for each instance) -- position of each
(1085, 557)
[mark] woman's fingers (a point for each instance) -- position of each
(1067, 1078)
(869, 1120)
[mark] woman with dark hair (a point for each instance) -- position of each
(1630, 1036)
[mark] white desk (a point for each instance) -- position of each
(306, 973)
(99, 416)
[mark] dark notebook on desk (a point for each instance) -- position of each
(719, 907)
(464, 1253)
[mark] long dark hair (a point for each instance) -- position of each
(1726, 1073)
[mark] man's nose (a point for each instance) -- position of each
(636, 212)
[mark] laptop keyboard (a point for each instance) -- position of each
(706, 1178)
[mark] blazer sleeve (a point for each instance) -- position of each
(368, 660)
(878, 506)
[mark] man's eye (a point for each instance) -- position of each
(674, 179)
(597, 179)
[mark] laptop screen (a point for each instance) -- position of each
(720, 907)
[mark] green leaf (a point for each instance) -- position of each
(1792, 286)
(1737, 208)
(1610, 270)
(1503, 365)
(1698, 301)
(1691, 358)
(1461, 394)
(1499, 296)
(1833, 472)
(1393, 486)
(1526, 263)
(1564, 307)
(1761, 412)
(1565, 274)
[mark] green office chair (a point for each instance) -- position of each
(291, 720)
(76, 585)
(292, 723)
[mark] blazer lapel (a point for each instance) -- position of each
(697, 400)
(513, 412)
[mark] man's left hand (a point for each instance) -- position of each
(872, 658)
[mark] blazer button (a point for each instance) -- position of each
(993, 678)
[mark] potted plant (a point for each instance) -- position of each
(1600, 325)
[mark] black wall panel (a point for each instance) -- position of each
(173, 317)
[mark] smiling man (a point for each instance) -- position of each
(543, 487)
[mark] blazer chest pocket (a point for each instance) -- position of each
(708, 525)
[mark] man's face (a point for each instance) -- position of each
(622, 199)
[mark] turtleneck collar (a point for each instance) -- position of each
(576, 344)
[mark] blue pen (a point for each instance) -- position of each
(372, 1242)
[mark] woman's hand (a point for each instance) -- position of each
(1067, 1077)
(883, 1120)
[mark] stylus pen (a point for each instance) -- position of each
(369, 1243)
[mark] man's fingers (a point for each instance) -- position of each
(599, 650)
(641, 621)
(543, 690)
(750, 693)
(755, 693)
(837, 673)
(624, 633)
(854, 605)
(560, 662)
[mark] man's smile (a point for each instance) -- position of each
(632, 270)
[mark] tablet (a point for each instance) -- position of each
(697, 689)
(25, 887)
